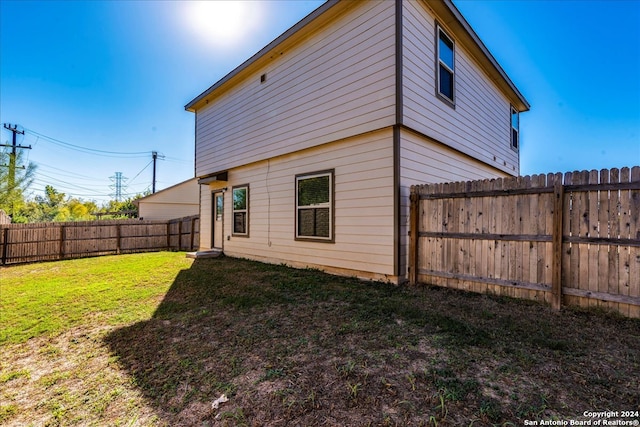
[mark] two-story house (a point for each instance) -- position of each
(305, 153)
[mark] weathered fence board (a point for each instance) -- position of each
(634, 251)
(571, 239)
(22, 243)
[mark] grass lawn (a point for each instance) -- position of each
(154, 339)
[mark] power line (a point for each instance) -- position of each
(65, 182)
(118, 179)
(87, 150)
(177, 160)
(34, 146)
(67, 173)
(70, 193)
(135, 193)
(138, 174)
(66, 185)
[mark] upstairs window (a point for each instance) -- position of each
(446, 67)
(515, 129)
(314, 206)
(241, 210)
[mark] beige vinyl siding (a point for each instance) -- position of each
(166, 211)
(480, 123)
(363, 204)
(177, 201)
(337, 83)
(185, 192)
(423, 161)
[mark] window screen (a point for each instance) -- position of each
(240, 210)
(314, 206)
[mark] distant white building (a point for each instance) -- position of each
(178, 201)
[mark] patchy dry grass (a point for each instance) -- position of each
(297, 347)
(48, 298)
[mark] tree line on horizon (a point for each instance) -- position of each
(54, 205)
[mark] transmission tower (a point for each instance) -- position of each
(118, 184)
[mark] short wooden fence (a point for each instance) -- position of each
(566, 240)
(50, 241)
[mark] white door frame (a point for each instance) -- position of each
(217, 220)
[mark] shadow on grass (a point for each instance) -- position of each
(299, 346)
(220, 320)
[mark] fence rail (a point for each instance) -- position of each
(23, 243)
(571, 239)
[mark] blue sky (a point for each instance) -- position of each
(114, 76)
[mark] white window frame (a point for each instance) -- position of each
(329, 205)
(245, 211)
(515, 128)
(440, 32)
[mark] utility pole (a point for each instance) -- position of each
(154, 155)
(12, 157)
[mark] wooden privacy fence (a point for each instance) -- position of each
(566, 240)
(50, 241)
(183, 233)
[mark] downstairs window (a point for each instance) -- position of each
(241, 210)
(314, 206)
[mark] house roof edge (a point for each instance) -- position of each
(525, 106)
(135, 202)
(450, 7)
(284, 36)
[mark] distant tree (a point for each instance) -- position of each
(52, 197)
(123, 208)
(55, 206)
(31, 211)
(12, 194)
(82, 210)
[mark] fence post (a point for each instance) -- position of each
(168, 235)
(5, 241)
(118, 243)
(180, 235)
(62, 238)
(413, 236)
(193, 224)
(556, 281)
